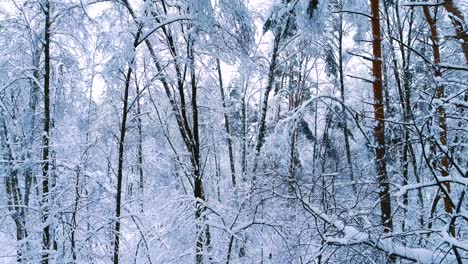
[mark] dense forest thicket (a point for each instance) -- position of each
(233, 131)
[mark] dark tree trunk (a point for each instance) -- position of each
(74, 224)
(244, 135)
(13, 194)
(227, 126)
(343, 106)
(118, 203)
(123, 129)
(45, 140)
(264, 105)
(202, 231)
(141, 182)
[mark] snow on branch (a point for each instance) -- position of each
(162, 24)
(386, 244)
(453, 67)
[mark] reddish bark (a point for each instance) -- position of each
(379, 115)
(458, 21)
(440, 90)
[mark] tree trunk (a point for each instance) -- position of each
(74, 224)
(141, 182)
(227, 126)
(292, 162)
(343, 106)
(13, 193)
(401, 80)
(458, 21)
(199, 193)
(123, 129)
(45, 140)
(440, 91)
(264, 105)
(244, 132)
(379, 116)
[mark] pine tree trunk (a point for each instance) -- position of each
(458, 21)
(442, 116)
(379, 116)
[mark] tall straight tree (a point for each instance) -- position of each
(226, 125)
(46, 138)
(441, 113)
(379, 116)
(123, 130)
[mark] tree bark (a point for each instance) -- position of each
(141, 182)
(244, 131)
(74, 224)
(45, 140)
(458, 21)
(226, 125)
(123, 129)
(264, 105)
(442, 116)
(13, 193)
(343, 107)
(379, 116)
(202, 231)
